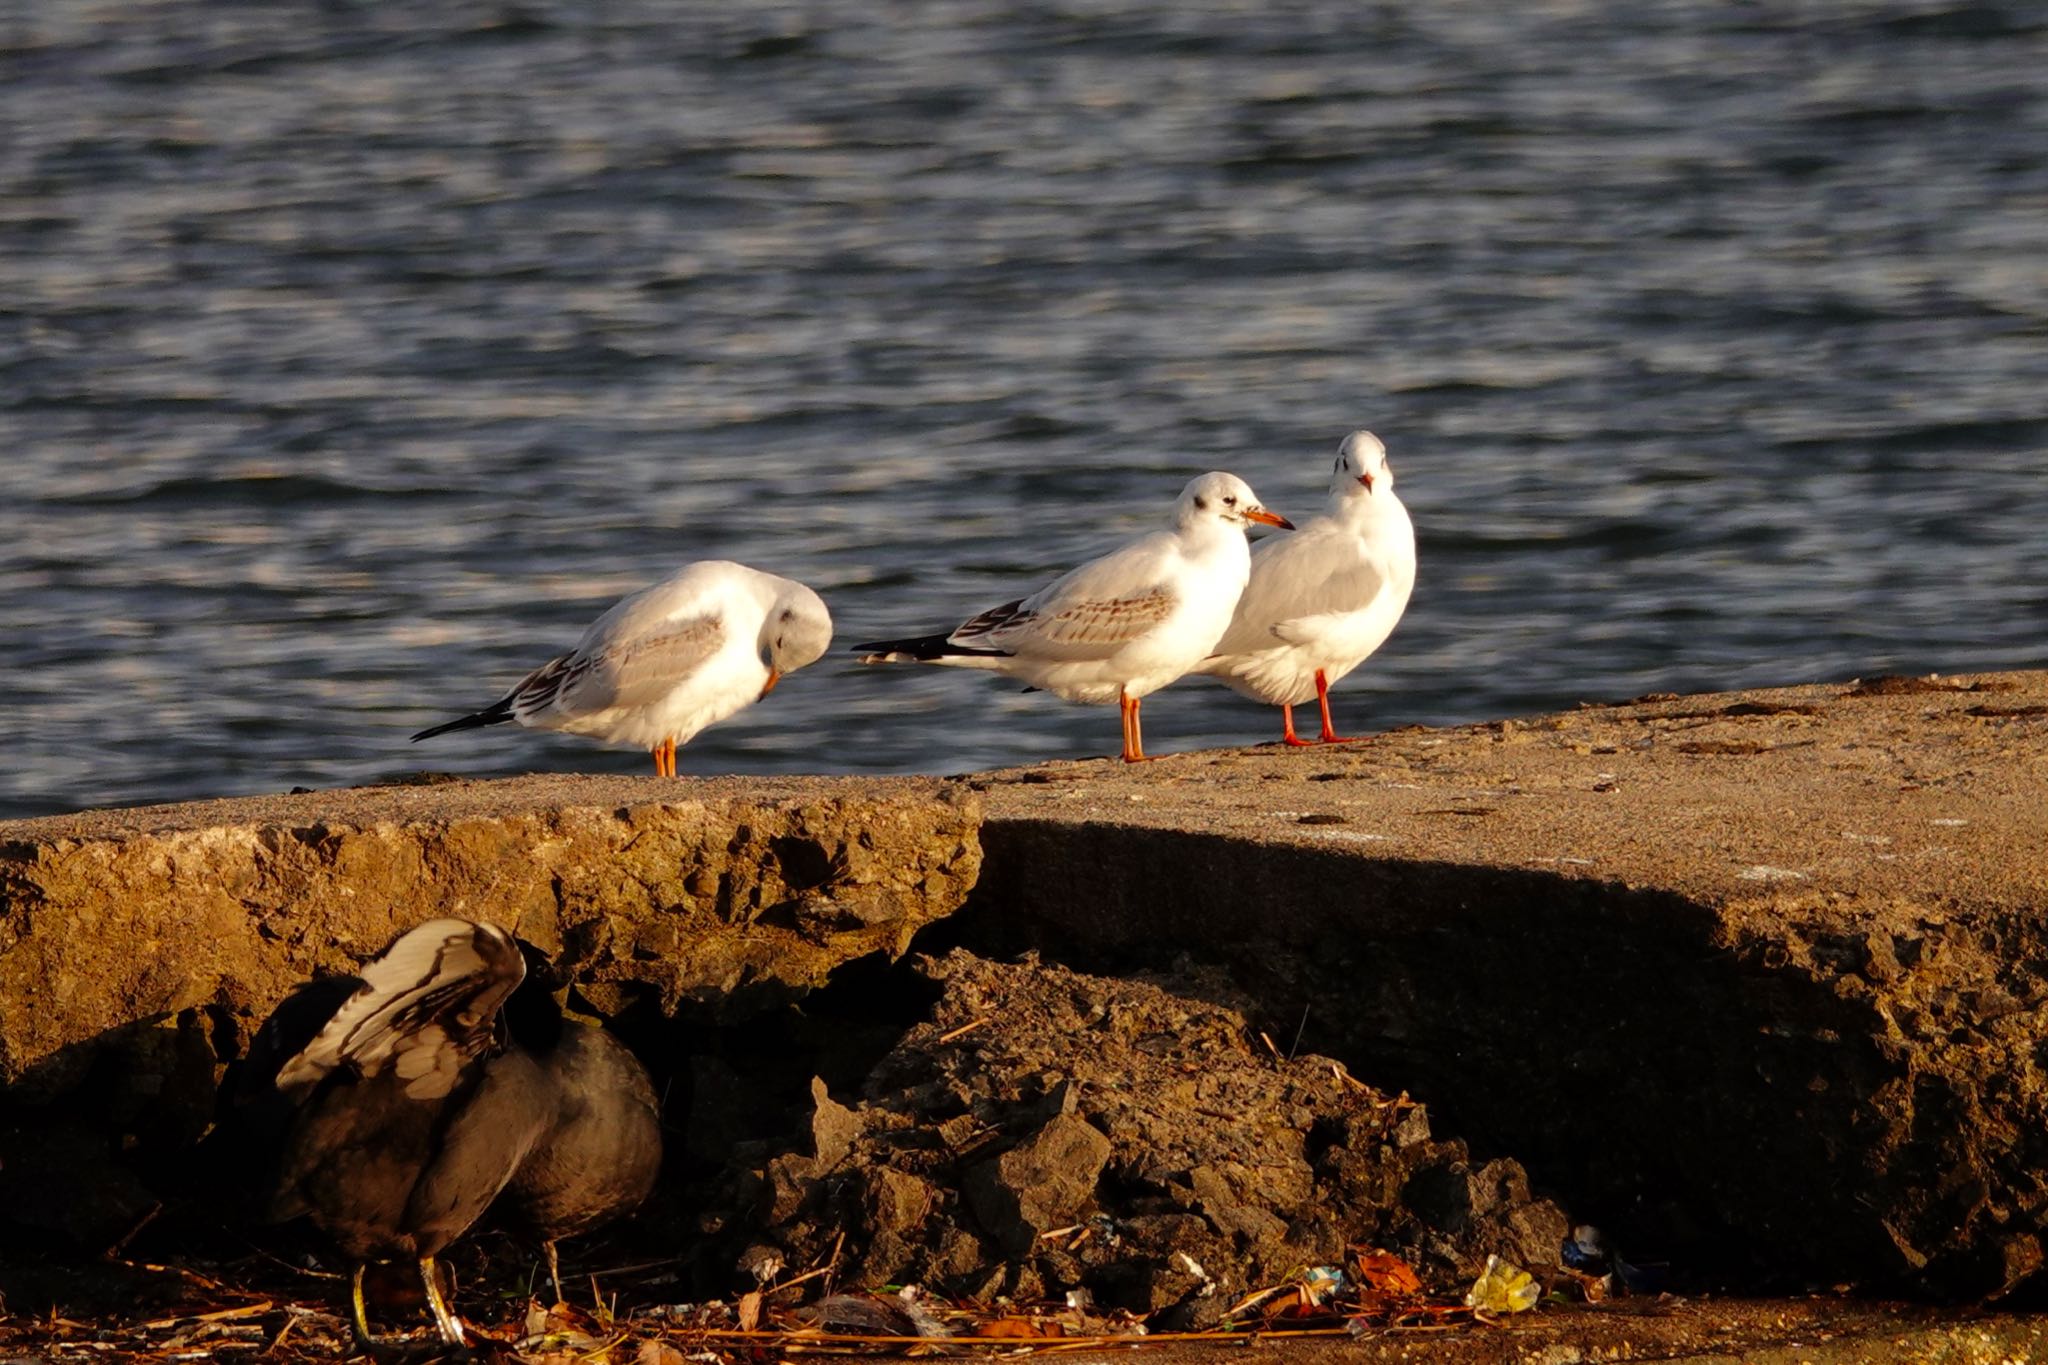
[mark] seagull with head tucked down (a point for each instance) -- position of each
(664, 662)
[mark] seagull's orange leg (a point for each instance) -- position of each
(1330, 735)
(656, 752)
(668, 756)
(1287, 735)
(1134, 736)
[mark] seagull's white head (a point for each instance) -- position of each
(1225, 498)
(797, 631)
(1361, 467)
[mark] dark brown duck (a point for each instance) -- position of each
(411, 1098)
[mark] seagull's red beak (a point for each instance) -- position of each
(1260, 514)
(1366, 479)
(774, 677)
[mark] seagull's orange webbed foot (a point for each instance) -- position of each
(1287, 735)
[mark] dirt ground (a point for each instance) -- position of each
(1058, 1161)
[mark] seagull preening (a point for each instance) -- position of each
(407, 1099)
(1323, 599)
(664, 662)
(1122, 626)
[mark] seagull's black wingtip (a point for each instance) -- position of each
(920, 649)
(476, 721)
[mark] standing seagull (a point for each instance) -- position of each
(1121, 626)
(663, 663)
(1323, 599)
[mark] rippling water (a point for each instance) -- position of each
(354, 356)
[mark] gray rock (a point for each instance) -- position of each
(1048, 1181)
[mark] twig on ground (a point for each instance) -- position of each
(966, 1028)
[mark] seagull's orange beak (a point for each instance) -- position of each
(1260, 514)
(1366, 479)
(774, 677)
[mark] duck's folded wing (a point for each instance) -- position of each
(421, 1011)
(481, 1146)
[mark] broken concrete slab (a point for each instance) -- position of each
(139, 949)
(1922, 788)
(1636, 946)
(734, 893)
(1632, 945)
(1044, 1181)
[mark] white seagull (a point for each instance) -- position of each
(1121, 626)
(710, 639)
(1323, 599)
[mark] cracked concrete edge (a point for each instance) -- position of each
(1776, 807)
(734, 895)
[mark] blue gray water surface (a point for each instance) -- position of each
(354, 355)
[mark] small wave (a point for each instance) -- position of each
(250, 490)
(1995, 435)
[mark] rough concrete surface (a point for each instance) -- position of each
(704, 890)
(1914, 787)
(1754, 980)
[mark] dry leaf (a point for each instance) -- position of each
(750, 1310)
(1388, 1273)
(1019, 1327)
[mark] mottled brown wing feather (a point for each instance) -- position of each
(1079, 628)
(1107, 622)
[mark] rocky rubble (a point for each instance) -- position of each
(1044, 1131)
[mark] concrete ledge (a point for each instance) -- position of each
(1927, 790)
(1758, 978)
(736, 894)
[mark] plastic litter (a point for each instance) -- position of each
(1322, 1283)
(1503, 1287)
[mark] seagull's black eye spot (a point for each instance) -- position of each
(1201, 504)
(1230, 501)
(788, 615)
